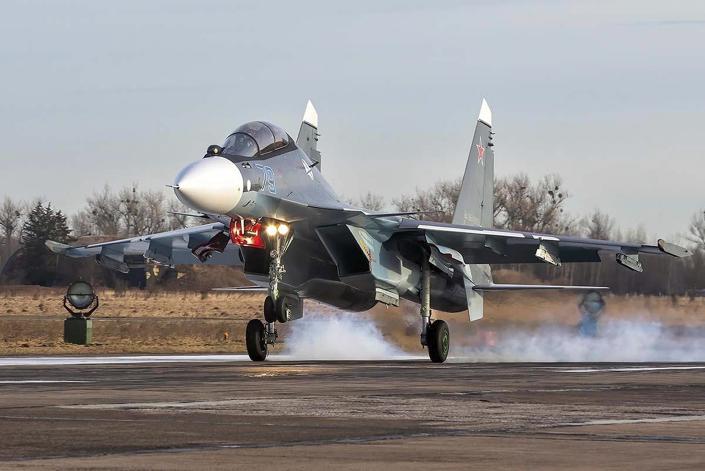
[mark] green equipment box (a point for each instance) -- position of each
(78, 330)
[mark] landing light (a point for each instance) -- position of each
(271, 230)
(80, 299)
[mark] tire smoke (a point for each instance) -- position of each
(343, 336)
(616, 341)
(329, 334)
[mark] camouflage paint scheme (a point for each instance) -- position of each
(352, 259)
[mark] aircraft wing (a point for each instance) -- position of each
(497, 246)
(205, 244)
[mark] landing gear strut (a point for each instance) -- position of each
(258, 335)
(434, 335)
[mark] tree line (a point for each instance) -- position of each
(520, 204)
(107, 214)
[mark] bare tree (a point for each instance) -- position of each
(176, 215)
(635, 235)
(143, 212)
(104, 210)
(598, 225)
(82, 224)
(696, 231)
(371, 201)
(10, 222)
(438, 202)
(128, 212)
(537, 207)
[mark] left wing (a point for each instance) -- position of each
(205, 244)
(497, 246)
(470, 250)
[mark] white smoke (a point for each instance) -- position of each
(616, 341)
(355, 336)
(341, 336)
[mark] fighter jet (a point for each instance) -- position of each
(270, 209)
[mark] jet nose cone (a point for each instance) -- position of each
(212, 185)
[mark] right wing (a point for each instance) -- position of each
(206, 244)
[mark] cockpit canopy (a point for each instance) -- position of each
(254, 139)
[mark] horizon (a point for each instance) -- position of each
(614, 106)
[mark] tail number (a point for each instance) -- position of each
(268, 182)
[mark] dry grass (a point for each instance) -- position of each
(32, 300)
(31, 321)
(140, 321)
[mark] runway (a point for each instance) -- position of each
(222, 412)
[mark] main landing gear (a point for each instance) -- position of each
(259, 335)
(434, 335)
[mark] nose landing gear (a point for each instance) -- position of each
(259, 335)
(256, 340)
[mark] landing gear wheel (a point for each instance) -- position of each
(438, 341)
(270, 310)
(256, 340)
(281, 310)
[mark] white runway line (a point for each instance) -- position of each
(402, 357)
(42, 381)
(172, 405)
(144, 359)
(631, 369)
(119, 360)
(655, 420)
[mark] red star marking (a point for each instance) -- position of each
(480, 153)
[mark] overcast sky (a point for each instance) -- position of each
(610, 95)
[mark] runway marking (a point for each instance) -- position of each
(170, 405)
(141, 359)
(655, 420)
(630, 369)
(119, 360)
(42, 381)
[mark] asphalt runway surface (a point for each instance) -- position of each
(224, 412)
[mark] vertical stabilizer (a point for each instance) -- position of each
(308, 134)
(475, 204)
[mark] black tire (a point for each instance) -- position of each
(270, 310)
(281, 309)
(256, 340)
(438, 341)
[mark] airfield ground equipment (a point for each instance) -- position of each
(80, 301)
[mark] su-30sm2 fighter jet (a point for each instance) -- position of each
(272, 211)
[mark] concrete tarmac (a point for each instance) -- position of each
(224, 412)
